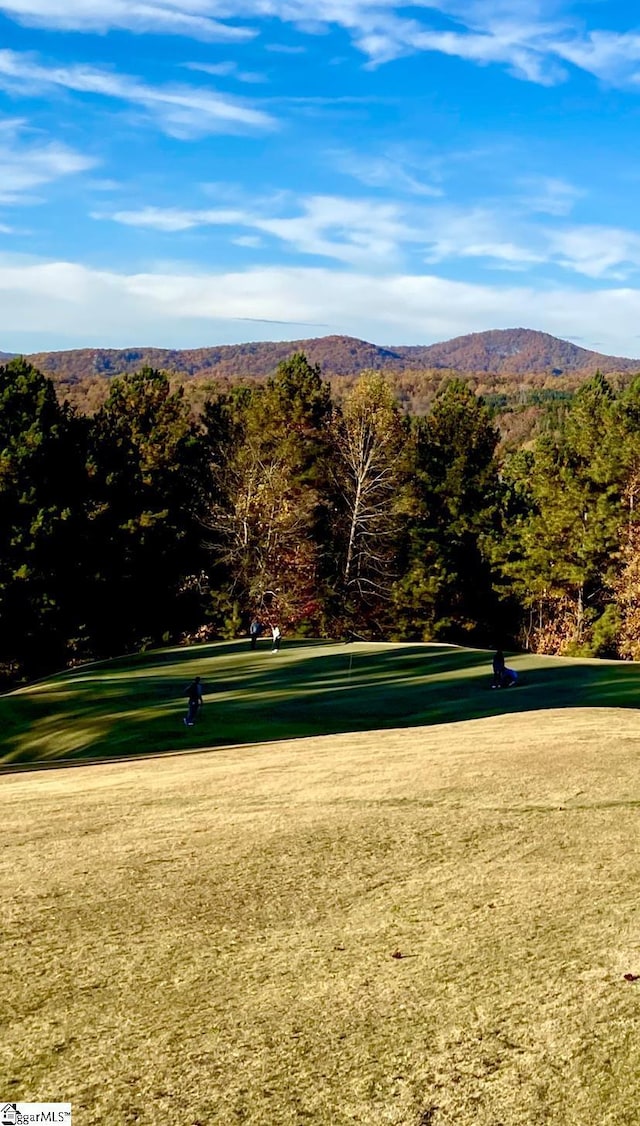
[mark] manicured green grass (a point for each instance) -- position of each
(134, 705)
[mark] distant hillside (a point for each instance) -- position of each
(337, 355)
(517, 351)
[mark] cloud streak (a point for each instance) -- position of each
(538, 40)
(195, 20)
(366, 233)
(183, 112)
(228, 69)
(352, 231)
(27, 163)
(392, 169)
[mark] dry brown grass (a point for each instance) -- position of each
(208, 938)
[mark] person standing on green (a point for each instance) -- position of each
(194, 693)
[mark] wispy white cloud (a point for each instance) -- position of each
(509, 238)
(368, 233)
(93, 307)
(173, 219)
(360, 231)
(227, 69)
(536, 40)
(252, 242)
(348, 230)
(597, 251)
(184, 112)
(392, 169)
(219, 70)
(482, 233)
(611, 56)
(192, 18)
(29, 162)
(550, 195)
(525, 58)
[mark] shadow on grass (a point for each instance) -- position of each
(134, 705)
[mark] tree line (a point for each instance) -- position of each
(143, 524)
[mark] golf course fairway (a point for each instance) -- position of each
(411, 921)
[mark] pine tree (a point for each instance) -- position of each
(447, 588)
(42, 493)
(561, 553)
(147, 496)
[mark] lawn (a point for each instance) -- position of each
(134, 706)
(423, 927)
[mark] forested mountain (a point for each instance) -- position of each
(336, 355)
(514, 352)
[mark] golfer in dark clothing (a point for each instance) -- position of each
(194, 692)
(502, 676)
(498, 669)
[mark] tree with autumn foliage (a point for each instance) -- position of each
(268, 505)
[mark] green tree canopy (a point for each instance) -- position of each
(42, 491)
(147, 496)
(447, 586)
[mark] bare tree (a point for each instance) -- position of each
(369, 436)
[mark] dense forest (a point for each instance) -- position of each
(146, 521)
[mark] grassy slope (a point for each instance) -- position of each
(134, 706)
(208, 939)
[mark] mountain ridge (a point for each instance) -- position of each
(515, 352)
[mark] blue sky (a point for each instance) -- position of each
(191, 172)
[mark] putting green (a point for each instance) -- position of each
(134, 705)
